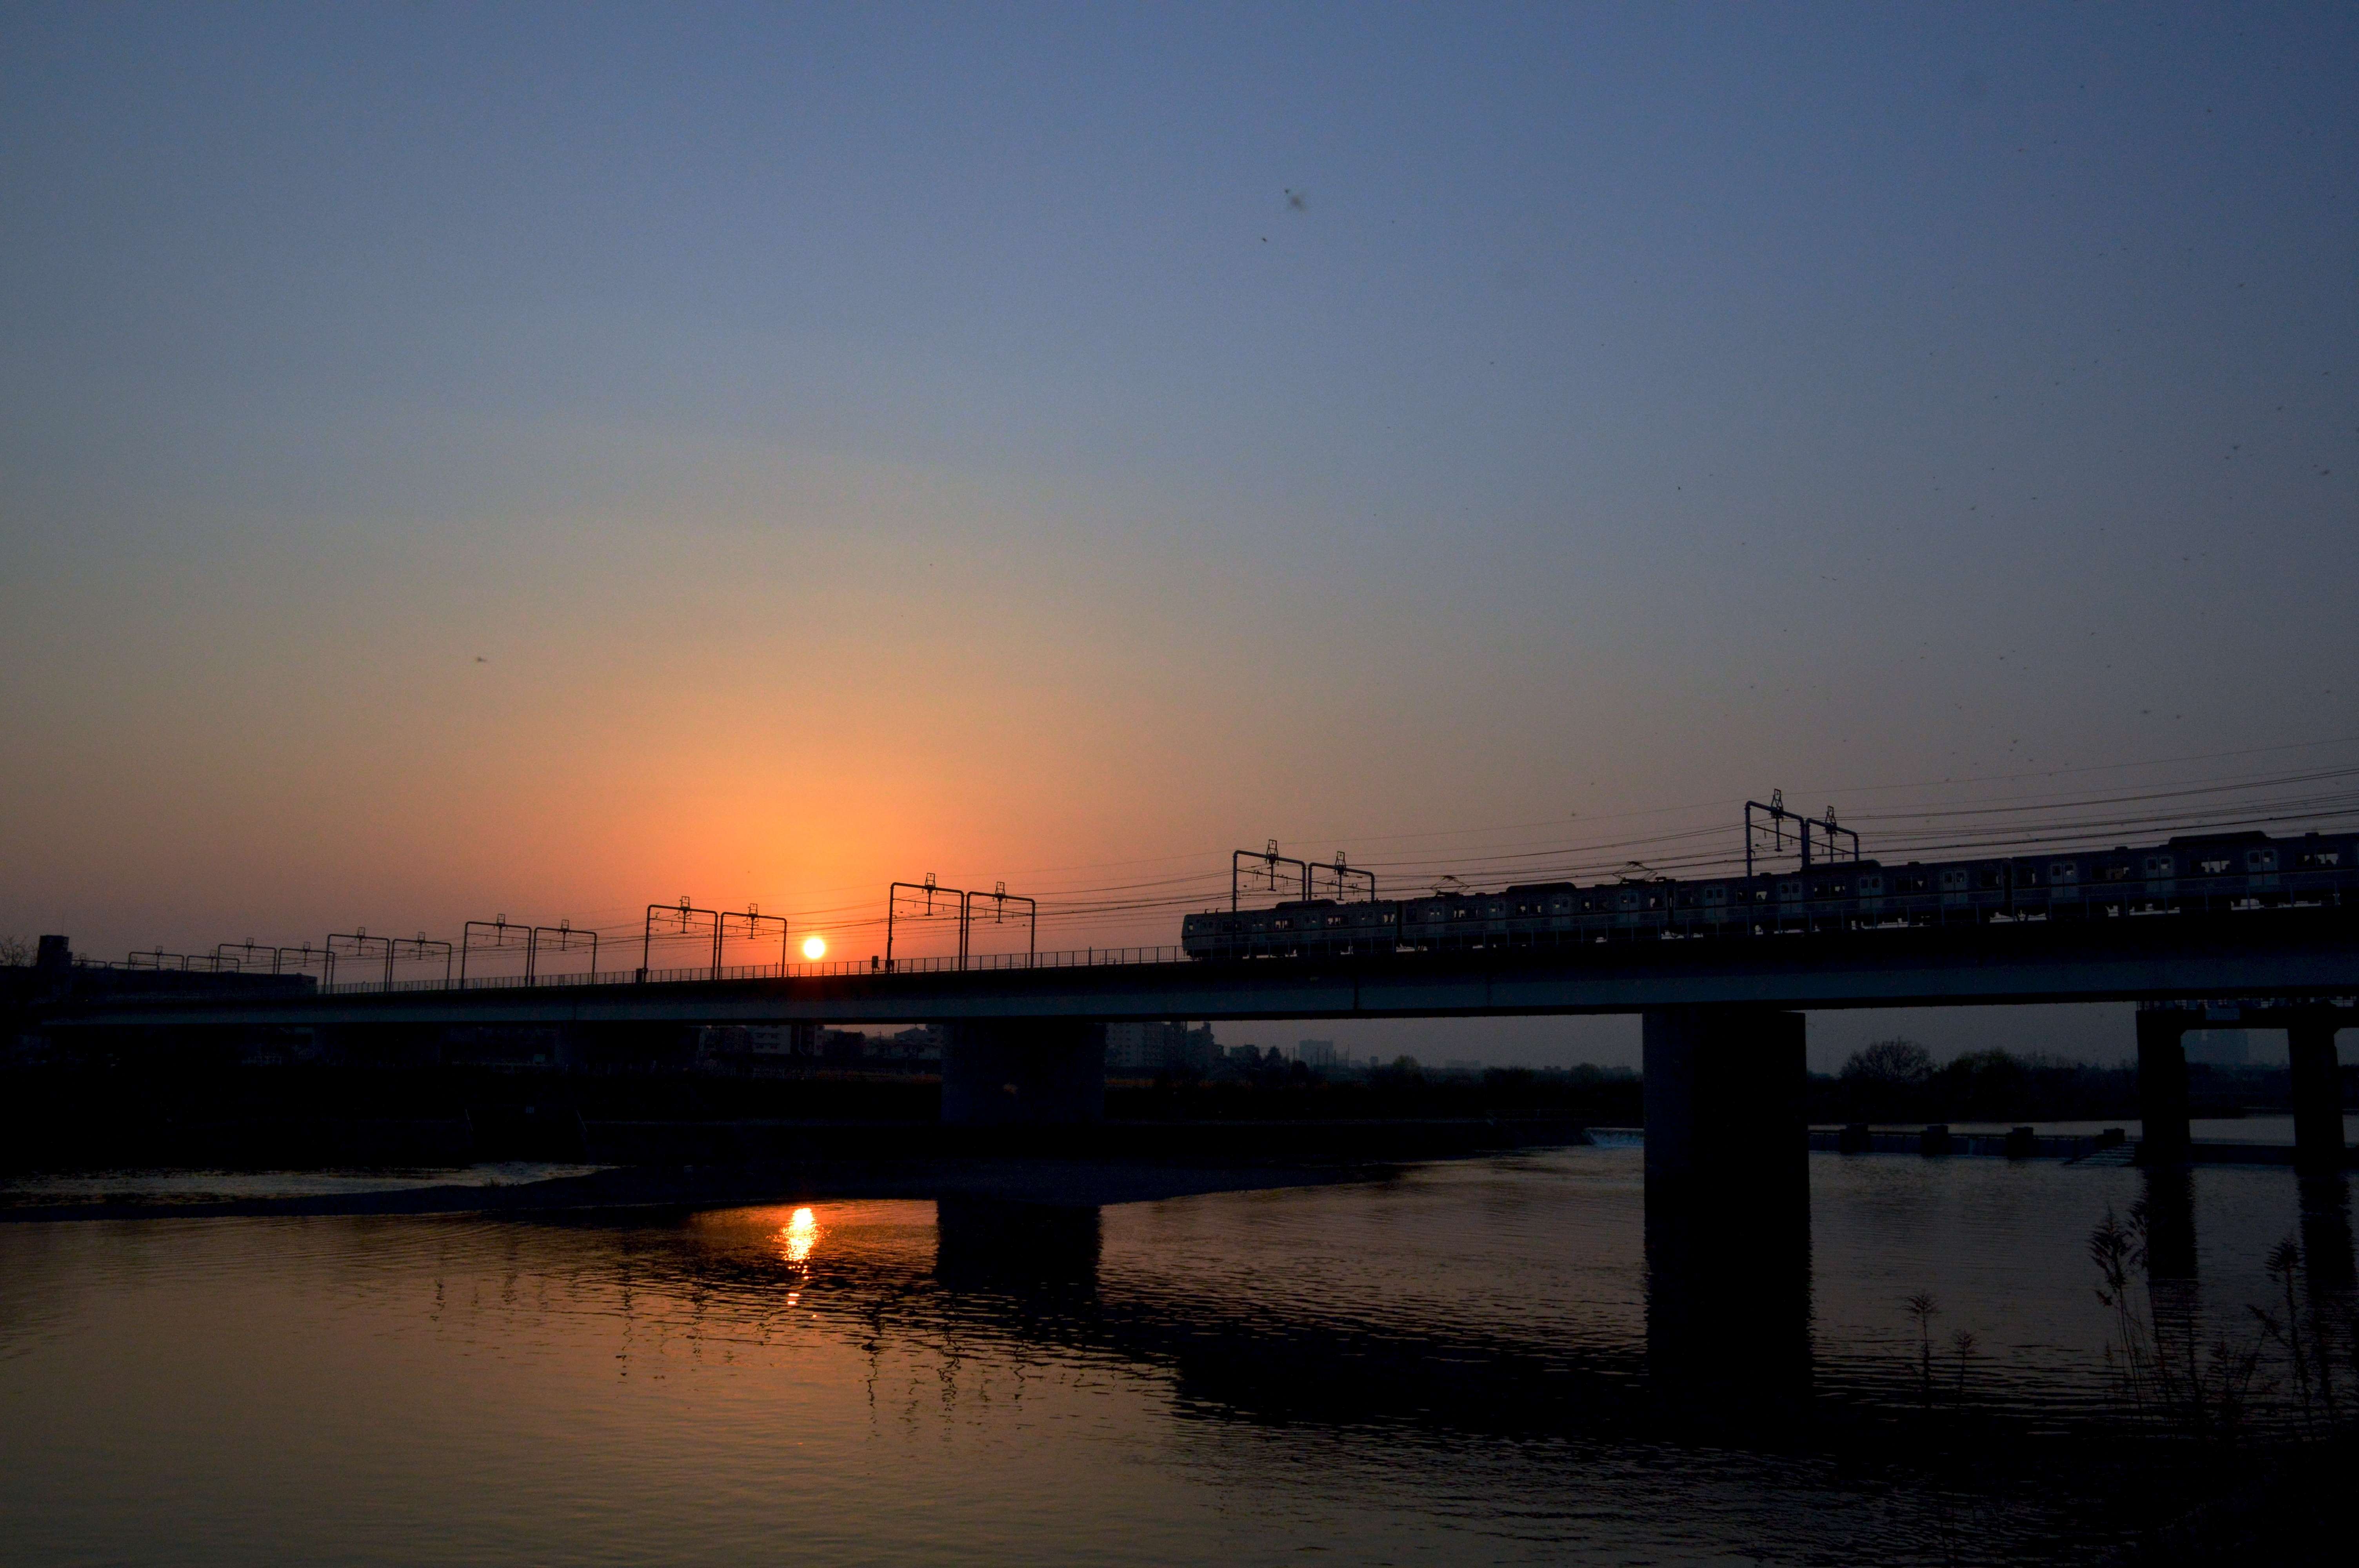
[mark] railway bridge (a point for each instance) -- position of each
(1727, 1190)
(1724, 1016)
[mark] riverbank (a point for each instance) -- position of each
(719, 1164)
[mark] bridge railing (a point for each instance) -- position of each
(1077, 958)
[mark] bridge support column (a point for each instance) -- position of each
(1728, 1208)
(1026, 1072)
(2162, 1085)
(2317, 1096)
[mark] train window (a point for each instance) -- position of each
(2063, 871)
(2312, 859)
(1909, 883)
(2261, 859)
(1460, 913)
(2117, 873)
(1653, 900)
(2157, 865)
(1281, 925)
(1334, 920)
(1385, 918)
(1953, 882)
(1687, 901)
(1789, 889)
(1990, 877)
(1715, 895)
(1871, 884)
(1828, 889)
(2215, 867)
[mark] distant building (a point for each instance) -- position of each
(1159, 1048)
(923, 1043)
(783, 1038)
(1317, 1055)
(2216, 1048)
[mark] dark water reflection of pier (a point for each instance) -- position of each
(1719, 1328)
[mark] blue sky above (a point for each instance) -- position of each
(1640, 406)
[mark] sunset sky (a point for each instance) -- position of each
(465, 459)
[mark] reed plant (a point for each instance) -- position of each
(2318, 1337)
(2162, 1368)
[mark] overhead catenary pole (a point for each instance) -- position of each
(303, 957)
(1830, 831)
(421, 947)
(250, 949)
(684, 912)
(932, 891)
(1270, 861)
(1000, 899)
(499, 927)
(359, 944)
(566, 937)
(755, 920)
(1344, 872)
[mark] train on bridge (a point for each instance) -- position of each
(2217, 874)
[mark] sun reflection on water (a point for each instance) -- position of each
(799, 1233)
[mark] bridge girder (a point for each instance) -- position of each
(2312, 956)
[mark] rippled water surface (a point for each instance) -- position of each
(1451, 1366)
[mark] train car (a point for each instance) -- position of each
(2056, 891)
(1831, 895)
(2316, 868)
(1437, 922)
(1542, 914)
(2205, 874)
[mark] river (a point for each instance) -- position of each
(1449, 1365)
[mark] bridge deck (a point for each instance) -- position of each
(2288, 952)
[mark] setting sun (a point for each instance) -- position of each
(814, 948)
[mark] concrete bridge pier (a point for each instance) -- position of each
(2317, 1095)
(1023, 1072)
(2162, 1086)
(1728, 1208)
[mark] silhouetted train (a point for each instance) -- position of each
(2206, 872)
